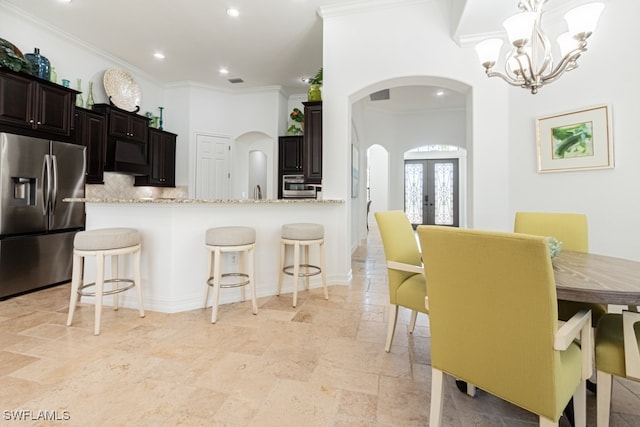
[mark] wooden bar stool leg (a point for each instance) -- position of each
(99, 291)
(209, 275)
(252, 280)
(138, 279)
(296, 271)
(322, 271)
(115, 274)
(243, 269)
(306, 268)
(76, 279)
(283, 248)
(217, 275)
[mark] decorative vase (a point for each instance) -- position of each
(79, 101)
(40, 64)
(314, 93)
(53, 75)
(89, 104)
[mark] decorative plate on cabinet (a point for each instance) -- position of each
(122, 90)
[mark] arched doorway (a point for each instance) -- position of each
(402, 114)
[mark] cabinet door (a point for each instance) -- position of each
(138, 127)
(312, 147)
(290, 157)
(119, 124)
(54, 110)
(16, 100)
(162, 160)
(92, 133)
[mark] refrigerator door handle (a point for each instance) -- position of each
(46, 184)
(54, 195)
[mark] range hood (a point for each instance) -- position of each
(126, 157)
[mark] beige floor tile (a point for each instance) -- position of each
(321, 363)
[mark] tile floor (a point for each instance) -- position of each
(321, 364)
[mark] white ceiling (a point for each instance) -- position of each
(272, 42)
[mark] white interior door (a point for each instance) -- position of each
(213, 157)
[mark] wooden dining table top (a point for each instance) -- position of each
(596, 278)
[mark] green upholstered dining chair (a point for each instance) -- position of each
(407, 285)
(617, 353)
(514, 351)
(573, 231)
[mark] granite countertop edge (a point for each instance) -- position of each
(206, 201)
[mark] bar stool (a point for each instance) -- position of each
(102, 243)
(241, 240)
(302, 235)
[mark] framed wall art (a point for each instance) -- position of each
(577, 140)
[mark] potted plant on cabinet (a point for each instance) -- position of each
(314, 93)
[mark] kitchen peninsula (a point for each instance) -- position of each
(174, 258)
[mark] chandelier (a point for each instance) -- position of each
(529, 64)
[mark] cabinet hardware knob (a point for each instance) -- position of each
(31, 121)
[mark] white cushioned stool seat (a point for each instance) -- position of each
(303, 231)
(230, 236)
(106, 238)
(302, 235)
(238, 239)
(102, 243)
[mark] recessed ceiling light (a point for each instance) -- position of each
(158, 55)
(439, 92)
(64, 1)
(233, 12)
(305, 79)
(223, 70)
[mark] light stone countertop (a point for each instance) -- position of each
(170, 200)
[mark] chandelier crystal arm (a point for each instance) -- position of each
(567, 63)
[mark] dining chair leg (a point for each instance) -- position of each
(603, 399)
(412, 323)
(580, 405)
(393, 319)
(437, 389)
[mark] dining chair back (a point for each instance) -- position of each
(569, 228)
(617, 348)
(477, 281)
(407, 285)
(573, 231)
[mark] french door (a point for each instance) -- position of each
(431, 191)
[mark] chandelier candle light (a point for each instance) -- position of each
(530, 63)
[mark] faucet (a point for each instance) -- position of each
(257, 193)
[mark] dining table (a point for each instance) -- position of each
(588, 277)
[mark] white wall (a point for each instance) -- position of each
(415, 45)
(607, 196)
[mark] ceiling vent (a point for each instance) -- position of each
(236, 80)
(381, 95)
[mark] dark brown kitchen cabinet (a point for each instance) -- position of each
(290, 157)
(128, 126)
(162, 160)
(91, 131)
(126, 147)
(312, 142)
(32, 104)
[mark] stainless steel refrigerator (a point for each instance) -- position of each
(36, 226)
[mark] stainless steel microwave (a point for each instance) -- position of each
(293, 186)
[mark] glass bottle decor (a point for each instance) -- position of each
(40, 64)
(90, 102)
(53, 76)
(79, 100)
